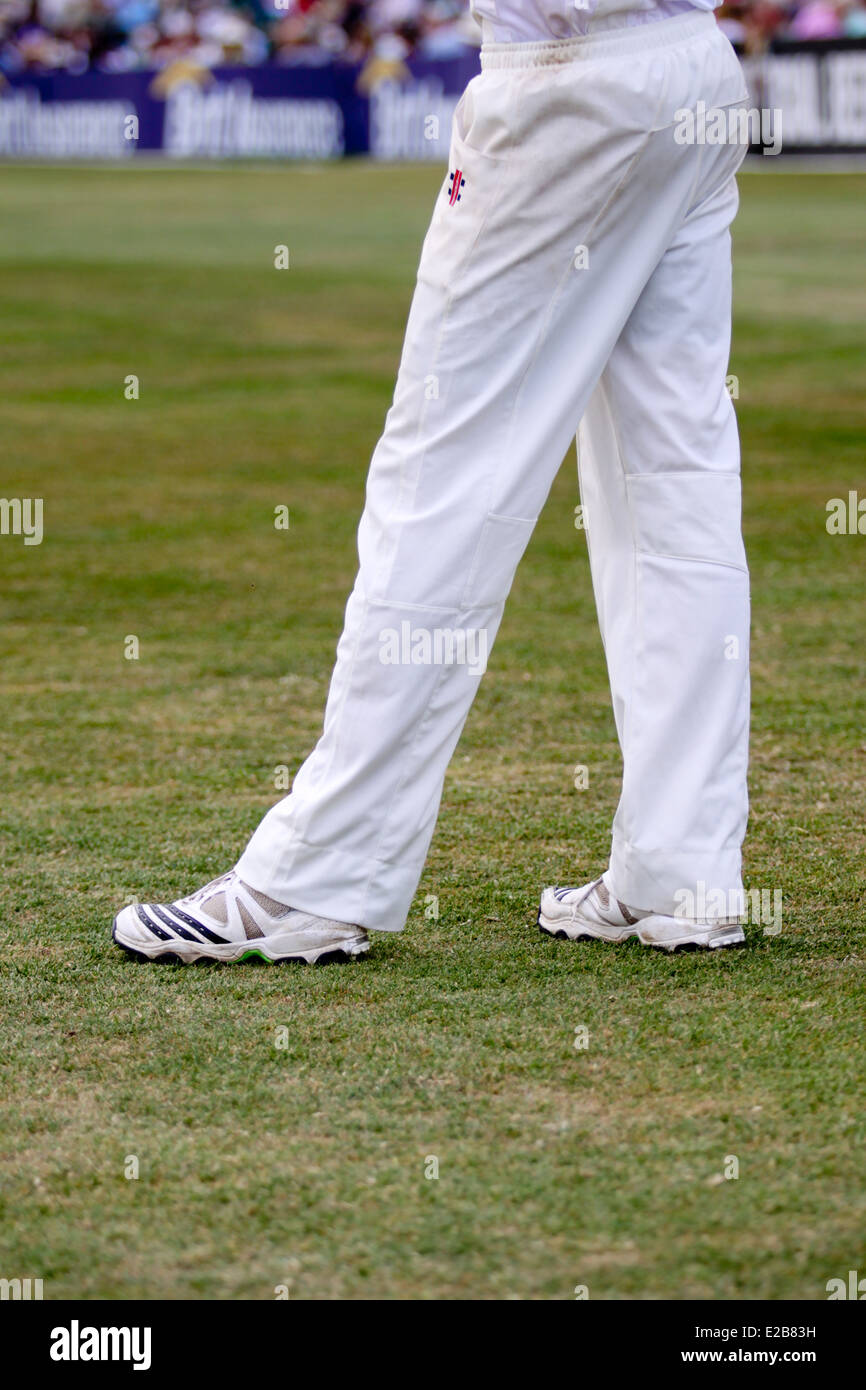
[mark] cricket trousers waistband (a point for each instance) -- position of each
(606, 40)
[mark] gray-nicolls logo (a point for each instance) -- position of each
(77, 1343)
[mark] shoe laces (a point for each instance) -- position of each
(211, 889)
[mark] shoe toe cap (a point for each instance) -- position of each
(129, 926)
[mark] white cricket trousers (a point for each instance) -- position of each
(582, 277)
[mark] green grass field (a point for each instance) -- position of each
(304, 1166)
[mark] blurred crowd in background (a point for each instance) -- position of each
(121, 35)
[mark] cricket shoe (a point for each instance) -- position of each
(229, 921)
(591, 913)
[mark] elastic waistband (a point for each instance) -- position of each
(635, 38)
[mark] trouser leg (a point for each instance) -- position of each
(659, 467)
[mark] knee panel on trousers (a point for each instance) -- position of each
(688, 516)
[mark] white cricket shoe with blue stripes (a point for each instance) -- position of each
(229, 921)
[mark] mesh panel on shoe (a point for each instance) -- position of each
(251, 927)
(217, 907)
(271, 906)
(603, 892)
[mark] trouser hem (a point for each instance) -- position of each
(656, 880)
(364, 892)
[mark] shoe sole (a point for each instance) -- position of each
(716, 939)
(723, 938)
(241, 951)
(582, 930)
